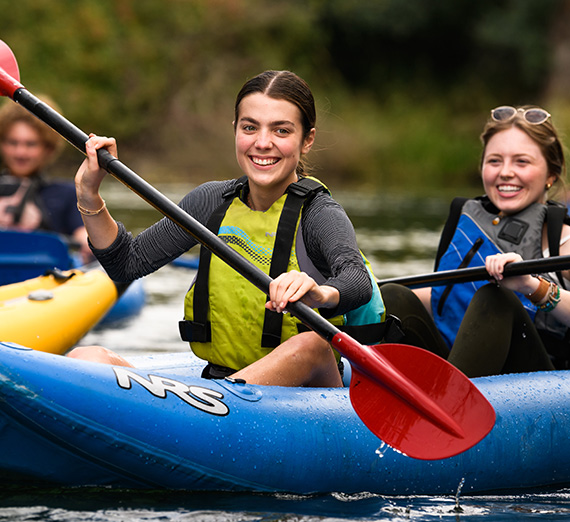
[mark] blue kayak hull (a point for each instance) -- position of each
(74, 423)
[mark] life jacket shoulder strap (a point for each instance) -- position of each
(298, 194)
(449, 228)
(556, 217)
(199, 329)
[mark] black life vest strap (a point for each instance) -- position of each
(449, 228)
(556, 215)
(18, 210)
(297, 194)
(200, 329)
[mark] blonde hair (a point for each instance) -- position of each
(543, 134)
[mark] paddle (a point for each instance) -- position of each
(413, 400)
(467, 275)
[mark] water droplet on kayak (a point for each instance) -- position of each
(382, 449)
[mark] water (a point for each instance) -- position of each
(399, 235)
(103, 505)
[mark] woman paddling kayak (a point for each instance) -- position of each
(512, 324)
(283, 221)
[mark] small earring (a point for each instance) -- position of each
(548, 186)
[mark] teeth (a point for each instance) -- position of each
(264, 161)
(508, 188)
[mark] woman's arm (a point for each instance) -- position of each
(101, 227)
(130, 257)
(330, 241)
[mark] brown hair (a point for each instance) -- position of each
(543, 134)
(283, 85)
(11, 113)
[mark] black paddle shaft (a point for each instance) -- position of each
(165, 206)
(479, 273)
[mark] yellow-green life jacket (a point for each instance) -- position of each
(225, 317)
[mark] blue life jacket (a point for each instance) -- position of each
(474, 231)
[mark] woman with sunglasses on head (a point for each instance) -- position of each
(513, 324)
(281, 220)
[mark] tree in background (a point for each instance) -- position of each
(403, 87)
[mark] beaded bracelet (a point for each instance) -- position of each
(553, 299)
(540, 293)
(87, 212)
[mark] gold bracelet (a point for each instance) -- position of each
(87, 212)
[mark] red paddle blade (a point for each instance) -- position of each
(9, 72)
(418, 403)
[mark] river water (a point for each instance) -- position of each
(399, 235)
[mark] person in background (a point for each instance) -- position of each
(513, 324)
(283, 221)
(29, 200)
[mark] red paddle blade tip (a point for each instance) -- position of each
(9, 72)
(404, 418)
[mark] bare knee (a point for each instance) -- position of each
(309, 350)
(303, 360)
(311, 346)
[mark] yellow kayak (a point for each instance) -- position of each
(52, 313)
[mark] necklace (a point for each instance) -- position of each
(250, 201)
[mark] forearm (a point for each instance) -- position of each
(562, 310)
(551, 298)
(100, 226)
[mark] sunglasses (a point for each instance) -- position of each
(533, 116)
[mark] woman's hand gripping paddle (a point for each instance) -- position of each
(413, 400)
(542, 265)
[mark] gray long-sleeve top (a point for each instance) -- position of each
(328, 235)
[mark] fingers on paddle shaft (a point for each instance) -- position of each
(442, 415)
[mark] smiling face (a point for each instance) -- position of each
(23, 150)
(270, 142)
(514, 171)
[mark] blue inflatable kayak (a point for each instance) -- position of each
(74, 423)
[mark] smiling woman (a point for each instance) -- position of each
(516, 324)
(270, 141)
(514, 171)
(285, 223)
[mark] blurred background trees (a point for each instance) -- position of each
(403, 87)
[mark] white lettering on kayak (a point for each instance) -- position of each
(201, 398)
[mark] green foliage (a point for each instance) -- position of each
(403, 87)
